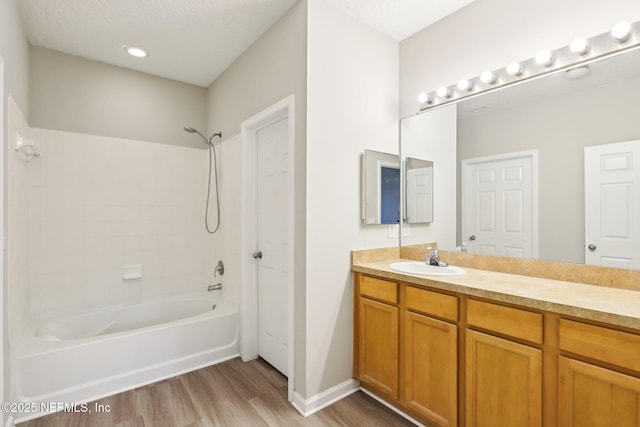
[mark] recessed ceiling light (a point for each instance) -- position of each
(136, 51)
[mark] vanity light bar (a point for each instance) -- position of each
(623, 37)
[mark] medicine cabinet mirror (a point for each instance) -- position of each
(380, 188)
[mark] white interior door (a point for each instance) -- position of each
(273, 244)
(499, 209)
(612, 204)
(420, 195)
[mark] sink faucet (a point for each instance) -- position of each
(434, 258)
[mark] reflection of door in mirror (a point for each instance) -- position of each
(612, 190)
(419, 191)
(499, 209)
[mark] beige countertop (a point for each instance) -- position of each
(604, 304)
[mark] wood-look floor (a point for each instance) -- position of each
(232, 394)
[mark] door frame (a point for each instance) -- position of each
(284, 109)
(465, 176)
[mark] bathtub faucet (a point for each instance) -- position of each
(216, 287)
(219, 269)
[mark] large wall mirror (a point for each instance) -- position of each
(535, 143)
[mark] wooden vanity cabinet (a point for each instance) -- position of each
(450, 359)
(378, 366)
(431, 355)
(593, 392)
(503, 375)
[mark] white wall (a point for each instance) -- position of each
(17, 196)
(433, 137)
(225, 244)
(100, 203)
(489, 34)
(14, 52)
(352, 90)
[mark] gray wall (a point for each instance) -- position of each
(73, 94)
(274, 67)
(559, 128)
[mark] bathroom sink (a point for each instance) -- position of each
(418, 267)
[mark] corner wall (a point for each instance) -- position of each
(273, 68)
(352, 106)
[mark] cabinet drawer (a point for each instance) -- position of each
(607, 345)
(505, 320)
(433, 303)
(379, 289)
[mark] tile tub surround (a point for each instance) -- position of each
(98, 204)
(611, 305)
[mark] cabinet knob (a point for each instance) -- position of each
(592, 247)
(472, 237)
(257, 255)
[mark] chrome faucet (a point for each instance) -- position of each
(434, 258)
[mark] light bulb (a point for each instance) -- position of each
(443, 92)
(579, 46)
(488, 77)
(545, 58)
(514, 69)
(621, 31)
(465, 85)
(138, 52)
(423, 98)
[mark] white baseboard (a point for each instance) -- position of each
(326, 398)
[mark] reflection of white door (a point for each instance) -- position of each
(273, 242)
(612, 204)
(419, 195)
(499, 208)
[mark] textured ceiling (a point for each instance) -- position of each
(399, 19)
(194, 41)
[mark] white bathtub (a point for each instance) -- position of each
(86, 357)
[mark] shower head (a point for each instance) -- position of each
(206, 141)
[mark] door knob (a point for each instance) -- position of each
(592, 247)
(472, 237)
(257, 255)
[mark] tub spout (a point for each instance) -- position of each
(216, 287)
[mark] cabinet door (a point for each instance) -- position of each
(378, 346)
(590, 396)
(504, 383)
(431, 357)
